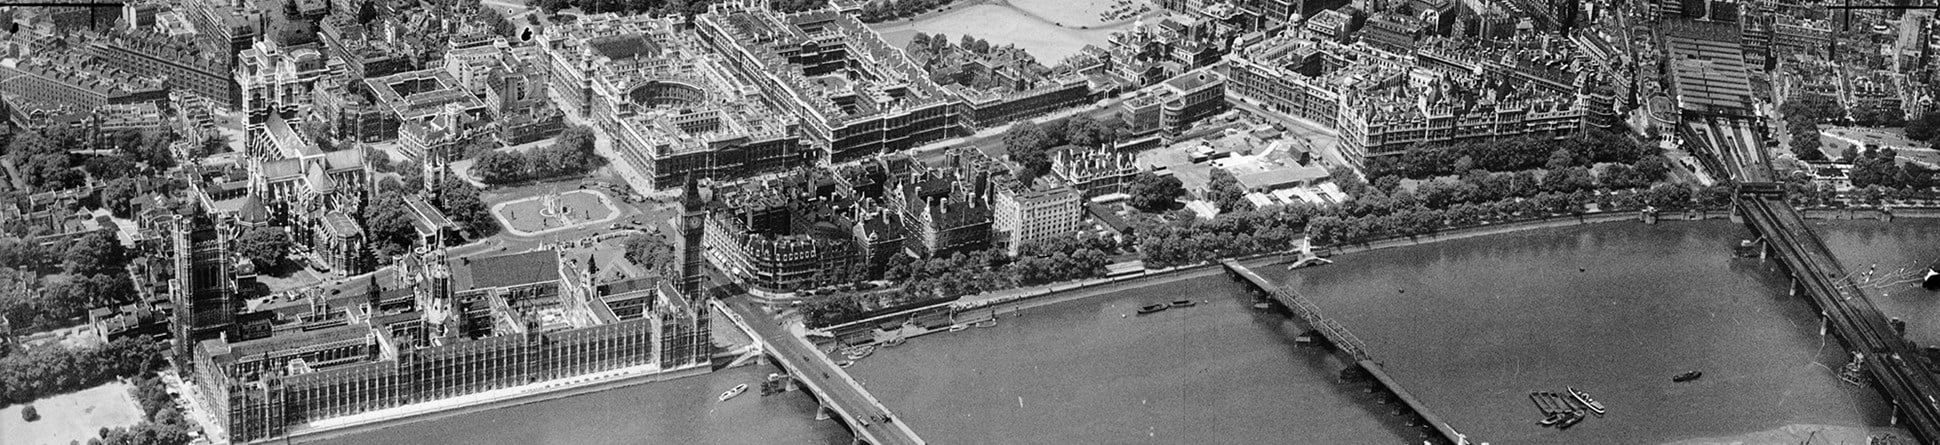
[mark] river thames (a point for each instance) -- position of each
(1468, 326)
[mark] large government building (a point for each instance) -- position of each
(441, 330)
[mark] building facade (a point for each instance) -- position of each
(1035, 214)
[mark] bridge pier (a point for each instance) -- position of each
(821, 410)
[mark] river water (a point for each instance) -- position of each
(1906, 246)
(1468, 326)
(1615, 309)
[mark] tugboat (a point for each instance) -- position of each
(1183, 303)
(1152, 308)
(737, 390)
(1587, 401)
(1932, 281)
(1688, 376)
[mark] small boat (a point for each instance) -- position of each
(1572, 419)
(1553, 419)
(845, 364)
(1561, 404)
(1688, 376)
(957, 328)
(1263, 306)
(1151, 308)
(1569, 402)
(1587, 401)
(737, 390)
(1184, 303)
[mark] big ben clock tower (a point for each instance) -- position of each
(693, 222)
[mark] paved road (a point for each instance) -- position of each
(837, 389)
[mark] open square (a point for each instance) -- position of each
(552, 212)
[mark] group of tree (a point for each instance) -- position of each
(119, 195)
(1336, 228)
(571, 154)
(793, 6)
(1031, 145)
(387, 222)
(145, 433)
(1182, 238)
(1152, 192)
(52, 369)
(1083, 255)
(92, 274)
(685, 8)
(60, 159)
(651, 252)
(947, 62)
(1880, 166)
(462, 204)
(62, 300)
(1508, 155)
(959, 274)
(1225, 191)
(1803, 114)
(264, 245)
(1608, 175)
(876, 11)
(952, 276)
(1878, 116)
(97, 252)
(1926, 128)
(22, 254)
(387, 219)
(162, 424)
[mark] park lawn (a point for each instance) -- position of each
(524, 215)
(585, 205)
(76, 416)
